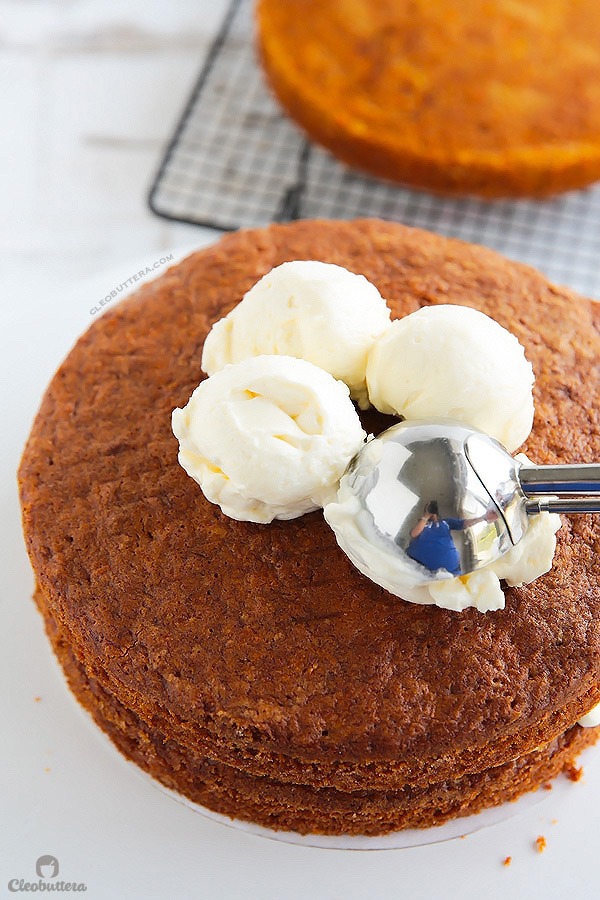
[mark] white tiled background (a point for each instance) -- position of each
(89, 91)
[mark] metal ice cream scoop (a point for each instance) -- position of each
(452, 499)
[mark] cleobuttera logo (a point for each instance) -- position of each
(46, 868)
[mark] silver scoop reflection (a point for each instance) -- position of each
(447, 499)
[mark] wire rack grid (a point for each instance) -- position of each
(236, 161)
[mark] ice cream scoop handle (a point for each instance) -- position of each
(563, 505)
(567, 479)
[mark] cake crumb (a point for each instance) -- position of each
(573, 772)
(37, 699)
(541, 843)
(507, 861)
(554, 821)
(46, 769)
(547, 786)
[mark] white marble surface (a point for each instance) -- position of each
(89, 91)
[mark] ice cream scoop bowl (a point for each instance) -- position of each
(448, 499)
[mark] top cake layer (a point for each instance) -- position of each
(486, 98)
(265, 636)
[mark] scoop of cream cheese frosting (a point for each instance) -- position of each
(311, 310)
(457, 362)
(268, 438)
(271, 432)
(398, 574)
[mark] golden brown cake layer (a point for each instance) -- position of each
(473, 97)
(261, 648)
(295, 806)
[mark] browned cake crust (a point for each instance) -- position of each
(217, 652)
(234, 792)
(487, 98)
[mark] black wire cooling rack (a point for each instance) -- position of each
(235, 160)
